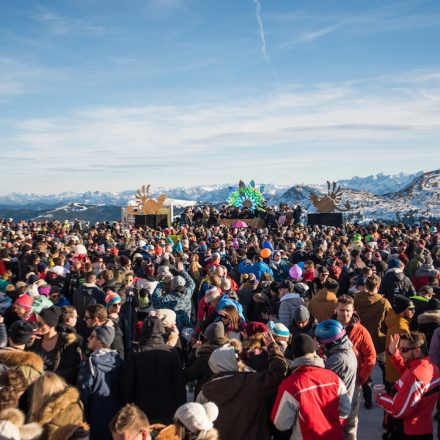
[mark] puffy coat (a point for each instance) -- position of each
(395, 325)
(395, 282)
(312, 400)
(241, 398)
(288, 305)
(372, 309)
(153, 377)
(180, 302)
(257, 268)
(99, 386)
(363, 347)
(29, 363)
(323, 305)
(417, 392)
(341, 359)
(63, 409)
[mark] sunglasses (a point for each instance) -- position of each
(406, 349)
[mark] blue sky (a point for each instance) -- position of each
(108, 95)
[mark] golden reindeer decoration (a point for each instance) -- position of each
(329, 202)
(146, 204)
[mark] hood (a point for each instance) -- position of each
(57, 405)
(288, 296)
(367, 298)
(426, 271)
(429, 317)
(224, 388)
(28, 431)
(223, 359)
(209, 346)
(343, 346)
(311, 360)
(12, 357)
(395, 273)
(104, 359)
(325, 295)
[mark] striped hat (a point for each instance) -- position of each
(112, 298)
(278, 329)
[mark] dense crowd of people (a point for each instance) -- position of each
(202, 331)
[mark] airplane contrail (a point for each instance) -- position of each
(263, 38)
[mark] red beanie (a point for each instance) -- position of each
(255, 327)
(25, 301)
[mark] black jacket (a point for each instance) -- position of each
(396, 282)
(153, 377)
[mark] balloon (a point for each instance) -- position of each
(267, 245)
(265, 253)
(301, 265)
(295, 272)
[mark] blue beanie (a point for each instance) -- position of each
(394, 263)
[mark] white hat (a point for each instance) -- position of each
(211, 294)
(9, 431)
(197, 417)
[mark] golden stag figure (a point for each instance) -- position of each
(329, 202)
(146, 204)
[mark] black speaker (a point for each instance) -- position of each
(325, 219)
(151, 220)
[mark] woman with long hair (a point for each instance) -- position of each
(232, 322)
(54, 404)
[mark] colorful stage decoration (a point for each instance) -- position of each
(248, 196)
(329, 203)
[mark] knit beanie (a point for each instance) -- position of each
(301, 314)
(197, 417)
(51, 315)
(278, 329)
(25, 301)
(177, 282)
(401, 303)
(112, 298)
(21, 332)
(211, 294)
(105, 334)
(303, 344)
(394, 263)
(9, 431)
(216, 330)
(254, 327)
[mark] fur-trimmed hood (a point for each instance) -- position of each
(58, 405)
(12, 357)
(30, 431)
(429, 317)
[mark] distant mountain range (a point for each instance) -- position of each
(380, 196)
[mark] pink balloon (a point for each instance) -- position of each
(295, 272)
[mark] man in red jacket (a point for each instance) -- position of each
(312, 400)
(417, 390)
(363, 347)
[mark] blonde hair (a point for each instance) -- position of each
(130, 417)
(46, 386)
(185, 434)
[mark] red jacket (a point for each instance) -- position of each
(363, 346)
(416, 396)
(313, 400)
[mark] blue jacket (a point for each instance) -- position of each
(280, 270)
(226, 301)
(257, 268)
(99, 385)
(180, 302)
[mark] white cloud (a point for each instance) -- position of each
(343, 124)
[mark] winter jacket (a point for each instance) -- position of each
(180, 302)
(241, 398)
(280, 270)
(63, 409)
(422, 276)
(153, 378)
(309, 329)
(312, 400)
(288, 305)
(363, 347)
(257, 268)
(395, 282)
(30, 364)
(198, 367)
(260, 303)
(395, 325)
(341, 359)
(372, 309)
(421, 304)
(323, 305)
(67, 356)
(427, 323)
(245, 294)
(99, 387)
(434, 348)
(417, 392)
